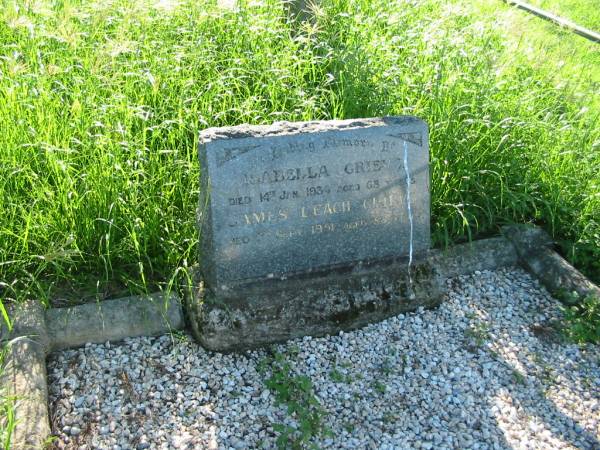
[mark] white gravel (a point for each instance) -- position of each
(484, 370)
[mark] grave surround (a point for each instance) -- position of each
(32, 336)
(335, 210)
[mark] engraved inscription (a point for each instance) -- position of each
(282, 175)
(414, 138)
(229, 154)
(295, 202)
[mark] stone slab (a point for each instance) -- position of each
(113, 320)
(317, 306)
(291, 199)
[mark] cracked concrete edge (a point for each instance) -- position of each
(536, 254)
(24, 376)
(114, 320)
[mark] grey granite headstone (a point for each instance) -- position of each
(309, 228)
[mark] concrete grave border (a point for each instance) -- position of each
(36, 332)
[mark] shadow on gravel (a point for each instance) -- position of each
(469, 374)
(543, 410)
(536, 371)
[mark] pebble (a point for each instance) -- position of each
(468, 374)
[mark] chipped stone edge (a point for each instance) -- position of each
(285, 128)
(36, 333)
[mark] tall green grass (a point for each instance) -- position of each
(101, 105)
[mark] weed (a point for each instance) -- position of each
(379, 387)
(390, 417)
(548, 375)
(538, 359)
(479, 333)
(582, 320)
(387, 367)
(179, 336)
(336, 376)
(49, 442)
(296, 392)
(518, 377)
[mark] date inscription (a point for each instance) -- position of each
(289, 203)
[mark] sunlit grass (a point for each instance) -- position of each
(101, 105)
(583, 12)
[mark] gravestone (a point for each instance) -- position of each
(310, 228)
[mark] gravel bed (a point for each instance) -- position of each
(484, 370)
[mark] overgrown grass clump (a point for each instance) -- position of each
(101, 105)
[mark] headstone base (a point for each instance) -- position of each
(269, 312)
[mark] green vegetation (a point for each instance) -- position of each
(582, 320)
(336, 376)
(583, 12)
(101, 104)
(296, 392)
(477, 334)
(379, 387)
(518, 377)
(569, 62)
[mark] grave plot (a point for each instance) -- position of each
(484, 370)
(315, 266)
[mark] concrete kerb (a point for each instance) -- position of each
(113, 320)
(24, 376)
(35, 334)
(536, 254)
